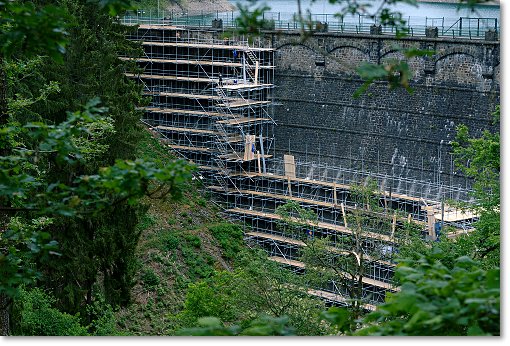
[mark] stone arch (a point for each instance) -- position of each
(444, 50)
(355, 47)
(295, 57)
(445, 55)
(384, 54)
(458, 68)
(345, 59)
(416, 64)
(292, 44)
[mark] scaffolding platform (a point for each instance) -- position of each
(191, 44)
(277, 238)
(331, 185)
(243, 103)
(183, 129)
(245, 86)
(168, 78)
(365, 280)
(184, 111)
(323, 225)
(186, 148)
(242, 121)
(162, 26)
(162, 59)
(237, 157)
(454, 215)
(182, 95)
(300, 243)
(210, 168)
(337, 298)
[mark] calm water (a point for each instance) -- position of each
(412, 14)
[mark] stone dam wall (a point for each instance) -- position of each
(384, 131)
(390, 132)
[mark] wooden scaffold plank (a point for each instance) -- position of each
(320, 224)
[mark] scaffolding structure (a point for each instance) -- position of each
(209, 95)
(211, 102)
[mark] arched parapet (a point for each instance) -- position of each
(358, 44)
(458, 68)
(296, 57)
(346, 58)
(416, 64)
(444, 50)
(453, 52)
(294, 40)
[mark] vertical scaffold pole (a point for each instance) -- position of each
(244, 69)
(343, 214)
(258, 162)
(262, 152)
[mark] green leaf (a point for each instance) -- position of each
(493, 278)
(475, 330)
(339, 317)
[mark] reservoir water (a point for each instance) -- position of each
(451, 20)
(424, 9)
(443, 15)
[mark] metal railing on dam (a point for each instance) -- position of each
(458, 27)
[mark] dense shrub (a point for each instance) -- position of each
(34, 314)
(230, 237)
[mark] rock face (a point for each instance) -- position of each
(193, 7)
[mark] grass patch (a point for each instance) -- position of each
(193, 240)
(230, 238)
(146, 222)
(150, 280)
(169, 241)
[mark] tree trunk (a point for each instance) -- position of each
(4, 315)
(3, 93)
(4, 299)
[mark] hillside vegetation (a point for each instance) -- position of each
(176, 248)
(104, 232)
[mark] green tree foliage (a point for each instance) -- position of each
(105, 241)
(479, 159)
(436, 300)
(211, 297)
(71, 177)
(25, 189)
(345, 260)
(443, 290)
(478, 309)
(102, 317)
(256, 289)
(263, 326)
(294, 219)
(91, 69)
(413, 247)
(230, 237)
(32, 30)
(35, 314)
(250, 20)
